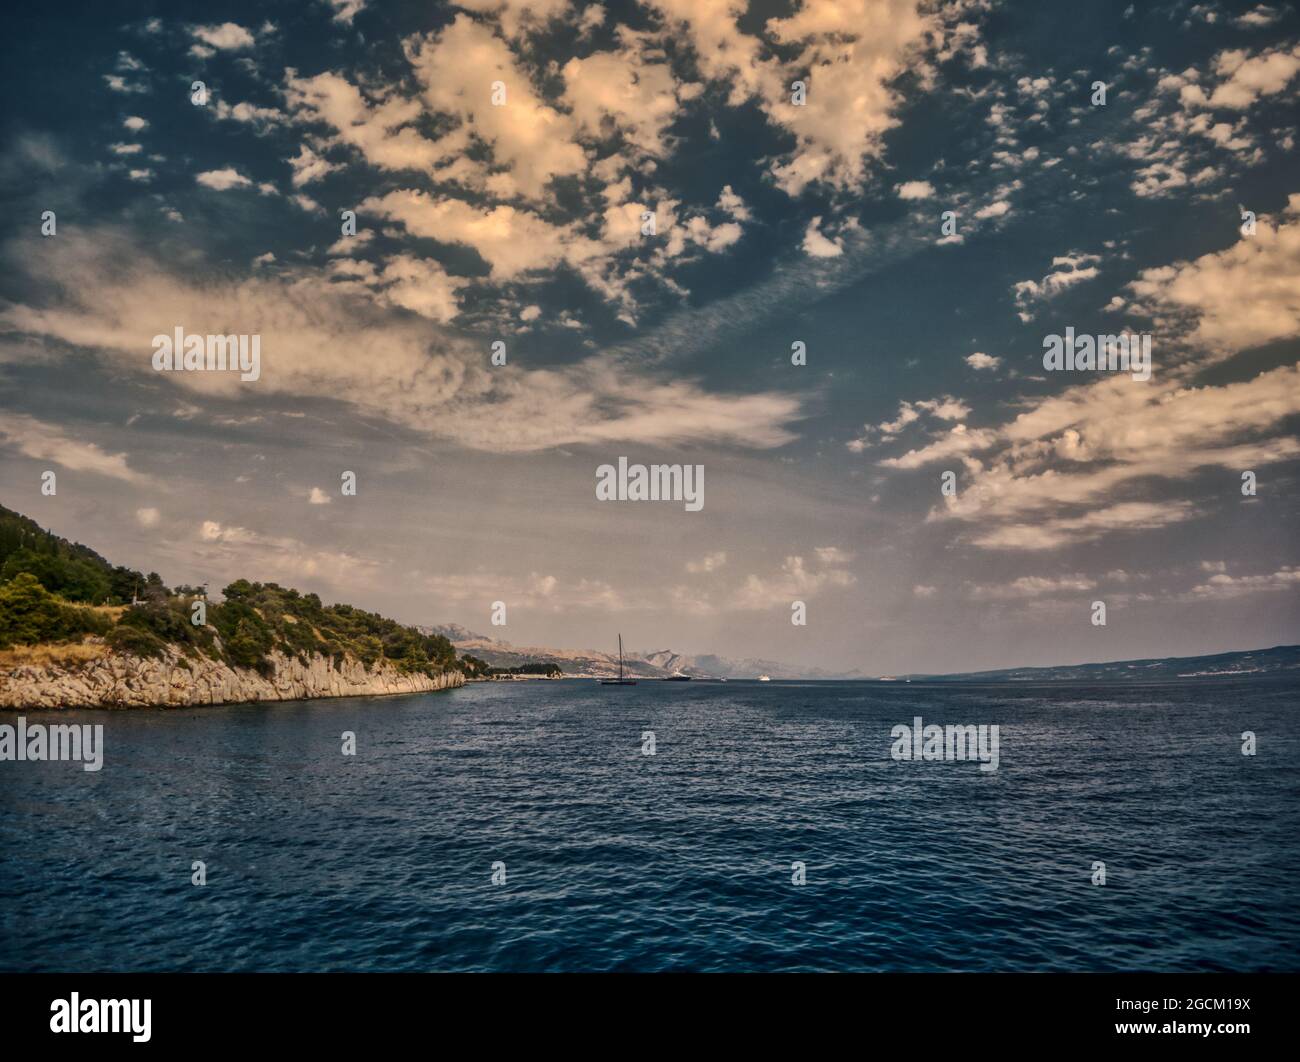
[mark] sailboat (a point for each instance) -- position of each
(620, 681)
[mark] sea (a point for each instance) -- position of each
(701, 826)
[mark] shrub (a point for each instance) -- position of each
(30, 615)
(69, 577)
(136, 641)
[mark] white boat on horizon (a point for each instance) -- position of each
(764, 678)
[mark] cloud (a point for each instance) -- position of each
(1083, 448)
(710, 562)
(147, 517)
(117, 83)
(849, 56)
(318, 497)
(796, 581)
(1077, 465)
(517, 16)
(1228, 586)
(625, 89)
(378, 131)
(223, 180)
(228, 36)
(536, 591)
(1028, 586)
(346, 10)
(308, 166)
(135, 123)
(512, 241)
(980, 360)
(1241, 297)
(323, 341)
(1067, 531)
(1067, 271)
(946, 408)
(240, 550)
(996, 209)
(1259, 16)
(42, 441)
(1247, 77)
(817, 245)
(532, 140)
(915, 190)
(249, 114)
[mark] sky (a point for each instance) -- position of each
(649, 208)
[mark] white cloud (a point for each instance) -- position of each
(346, 10)
(994, 210)
(817, 245)
(380, 131)
(1241, 297)
(228, 36)
(848, 54)
(980, 360)
(308, 166)
(223, 180)
(43, 441)
(323, 342)
(1067, 270)
(278, 557)
(1259, 16)
(1033, 586)
(1247, 77)
(915, 190)
(534, 141)
(796, 581)
(1226, 586)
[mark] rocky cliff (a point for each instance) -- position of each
(175, 681)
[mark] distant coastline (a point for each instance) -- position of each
(75, 631)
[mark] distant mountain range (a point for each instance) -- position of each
(662, 663)
(594, 663)
(1253, 662)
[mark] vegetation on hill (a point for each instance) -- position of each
(550, 670)
(68, 569)
(49, 588)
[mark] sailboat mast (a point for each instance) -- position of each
(620, 657)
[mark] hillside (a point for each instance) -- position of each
(62, 603)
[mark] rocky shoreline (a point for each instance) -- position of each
(178, 681)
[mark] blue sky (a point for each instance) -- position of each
(519, 220)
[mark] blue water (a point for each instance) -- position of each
(678, 861)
